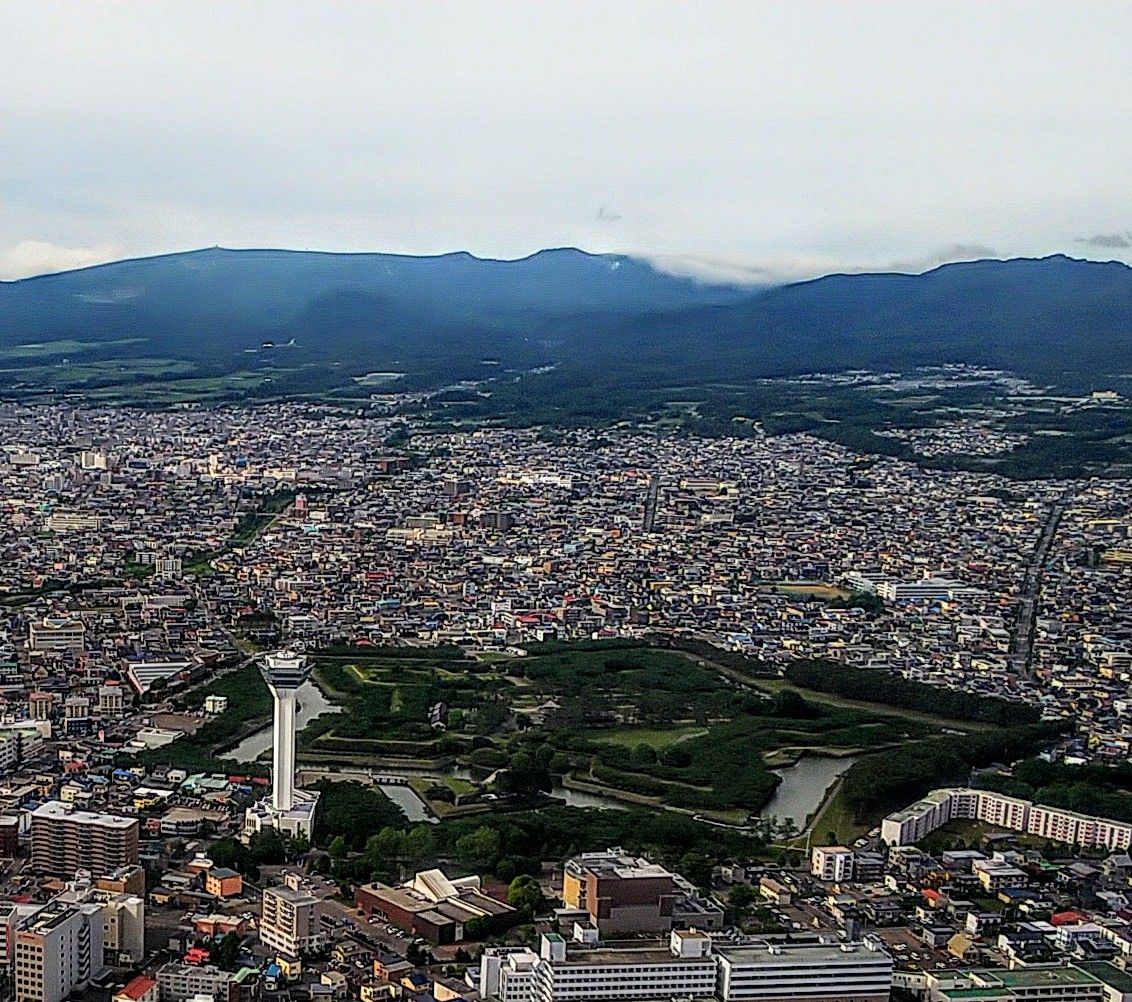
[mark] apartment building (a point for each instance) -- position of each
(123, 920)
(179, 982)
(65, 841)
(58, 950)
(833, 863)
(913, 823)
(289, 918)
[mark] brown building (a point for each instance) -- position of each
(621, 893)
(9, 836)
(64, 841)
(436, 908)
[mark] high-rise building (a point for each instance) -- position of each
(289, 920)
(289, 810)
(65, 841)
(123, 920)
(58, 950)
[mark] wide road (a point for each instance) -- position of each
(1022, 643)
(651, 499)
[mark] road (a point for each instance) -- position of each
(651, 499)
(1022, 643)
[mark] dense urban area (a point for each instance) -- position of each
(363, 701)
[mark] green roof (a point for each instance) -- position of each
(1110, 974)
(974, 993)
(1036, 976)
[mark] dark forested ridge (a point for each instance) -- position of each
(595, 317)
(875, 686)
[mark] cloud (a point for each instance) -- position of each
(39, 257)
(778, 268)
(1108, 241)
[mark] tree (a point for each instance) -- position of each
(419, 844)
(267, 846)
(478, 848)
(476, 927)
(226, 955)
(525, 896)
(337, 848)
(697, 868)
(386, 845)
(643, 754)
(741, 898)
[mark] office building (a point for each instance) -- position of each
(58, 950)
(289, 810)
(793, 970)
(289, 918)
(435, 907)
(65, 841)
(55, 633)
(620, 892)
(573, 972)
(689, 965)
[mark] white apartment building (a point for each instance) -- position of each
(123, 920)
(832, 863)
(58, 950)
(940, 806)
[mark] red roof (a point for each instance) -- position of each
(1066, 918)
(138, 986)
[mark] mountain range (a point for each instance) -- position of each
(215, 312)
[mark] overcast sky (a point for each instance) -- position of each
(771, 140)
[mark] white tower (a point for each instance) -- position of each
(288, 810)
(284, 673)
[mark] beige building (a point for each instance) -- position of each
(57, 634)
(289, 919)
(65, 841)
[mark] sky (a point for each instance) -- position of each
(760, 141)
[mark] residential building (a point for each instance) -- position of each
(289, 918)
(65, 841)
(58, 950)
(940, 806)
(832, 863)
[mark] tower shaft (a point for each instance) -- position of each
(283, 756)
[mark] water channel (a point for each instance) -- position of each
(804, 786)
